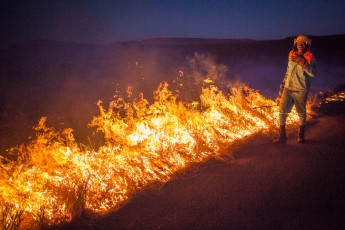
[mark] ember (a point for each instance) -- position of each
(55, 178)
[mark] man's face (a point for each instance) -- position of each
(301, 47)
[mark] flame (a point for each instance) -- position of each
(335, 98)
(54, 178)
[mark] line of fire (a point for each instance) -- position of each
(55, 178)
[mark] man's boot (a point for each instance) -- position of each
(282, 135)
(301, 134)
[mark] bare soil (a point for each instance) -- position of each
(262, 186)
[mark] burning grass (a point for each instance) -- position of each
(55, 179)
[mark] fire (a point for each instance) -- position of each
(54, 178)
(335, 98)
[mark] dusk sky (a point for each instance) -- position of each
(102, 22)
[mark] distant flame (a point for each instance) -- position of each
(54, 178)
(335, 97)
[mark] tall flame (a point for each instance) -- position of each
(54, 178)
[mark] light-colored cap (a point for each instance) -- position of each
(302, 38)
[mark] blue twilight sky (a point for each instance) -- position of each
(102, 22)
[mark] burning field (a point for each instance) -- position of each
(54, 178)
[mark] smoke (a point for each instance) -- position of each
(191, 74)
(144, 69)
(204, 66)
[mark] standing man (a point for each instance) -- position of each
(296, 85)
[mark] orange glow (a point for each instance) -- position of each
(55, 178)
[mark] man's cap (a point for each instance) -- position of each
(302, 38)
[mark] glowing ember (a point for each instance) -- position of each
(335, 97)
(54, 178)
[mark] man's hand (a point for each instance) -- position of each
(282, 85)
(300, 60)
(278, 99)
(281, 89)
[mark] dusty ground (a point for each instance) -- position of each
(264, 186)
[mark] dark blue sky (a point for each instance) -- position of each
(102, 22)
